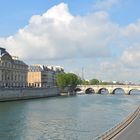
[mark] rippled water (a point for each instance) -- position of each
(63, 118)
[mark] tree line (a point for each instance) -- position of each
(71, 80)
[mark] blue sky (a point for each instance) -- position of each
(17, 13)
(103, 36)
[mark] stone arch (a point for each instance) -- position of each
(131, 90)
(89, 91)
(78, 89)
(101, 90)
(114, 90)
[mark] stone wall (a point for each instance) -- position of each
(27, 93)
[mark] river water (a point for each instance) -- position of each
(81, 117)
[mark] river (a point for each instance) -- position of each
(81, 117)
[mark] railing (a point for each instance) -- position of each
(111, 133)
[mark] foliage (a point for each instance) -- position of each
(104, 83)
(67, 80)
(85, 82)
(98, 82)
(94, 82)
(72, 79)
(61, 80)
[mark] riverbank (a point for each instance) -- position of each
(10, 94)
(131, 132)
(119, 131)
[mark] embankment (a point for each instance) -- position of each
(113, 132)
(9, 94)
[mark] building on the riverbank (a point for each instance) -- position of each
(43, 76)
(13, 72)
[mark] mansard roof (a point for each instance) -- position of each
(4, 55)
(2, 51)
(39, 68)
(35, 68)
(19, 62)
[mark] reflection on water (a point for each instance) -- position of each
(80, 117)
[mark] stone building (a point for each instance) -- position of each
(13, 72)
(43, 76)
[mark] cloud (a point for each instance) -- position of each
(130, 43)
(105, 4)
(132, 32)
(131, 56)
(92, 41)
(57, 34)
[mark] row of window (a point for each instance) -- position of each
(12, 84)
(10, 65)
(41, 84)
(13, 78)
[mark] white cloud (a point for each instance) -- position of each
(132, 32)
(131, 56)
(57, 35)
(82, 40)
(105, 4)
(131, 44)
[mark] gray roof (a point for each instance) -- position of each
(3, 51)
(35, 68)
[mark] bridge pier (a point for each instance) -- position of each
(127, 91)
(110, 91)
(96, 90)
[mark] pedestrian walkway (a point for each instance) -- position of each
(132, 132)
(129, 129)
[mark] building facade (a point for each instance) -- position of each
(43, 76)
(13, 72)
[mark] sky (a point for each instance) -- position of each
(100, 37)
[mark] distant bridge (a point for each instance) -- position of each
(109, 88)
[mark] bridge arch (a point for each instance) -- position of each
(78, 89)
(133, 91)
(120, 90)
(103, 90)
(89, 91)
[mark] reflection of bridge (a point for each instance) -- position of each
(109, 88)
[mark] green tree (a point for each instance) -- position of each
(85, 82)
(94, 82)
(72, 80)
(61, 80)
(104, 83)
(80, 81)
(67, 80)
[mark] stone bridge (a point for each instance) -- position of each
(109, 88)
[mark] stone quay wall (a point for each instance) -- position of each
(9, 94)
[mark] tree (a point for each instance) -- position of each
(73, 80)
(85, 82)
(94, 82)
(61, 80)
(67, 80)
